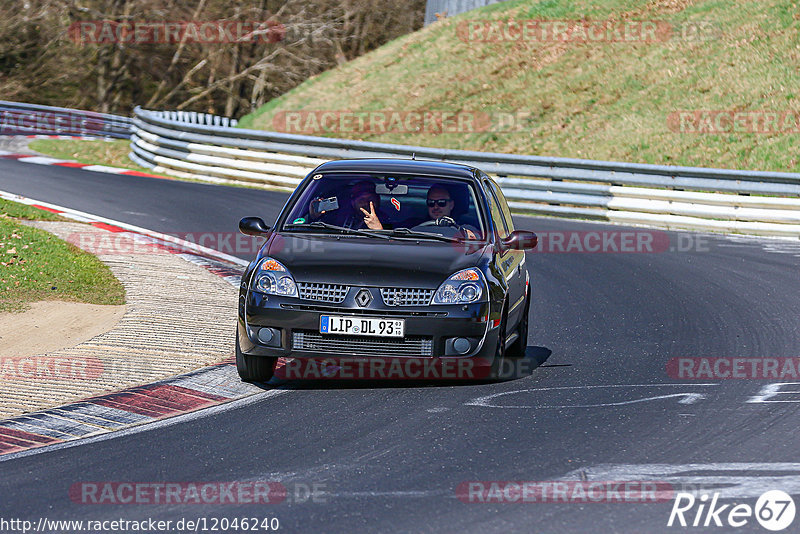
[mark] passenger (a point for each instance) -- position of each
(363, 210)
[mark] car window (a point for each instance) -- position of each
(503, 205)
(497, 214)
(399, 201)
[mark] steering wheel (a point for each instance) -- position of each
(442, 221)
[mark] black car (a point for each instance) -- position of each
(384, 258)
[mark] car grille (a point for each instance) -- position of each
(361, 311)
(309, 340)
(322, 292)
(395, 296)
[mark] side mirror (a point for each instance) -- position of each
(253, 226)
(521, 240)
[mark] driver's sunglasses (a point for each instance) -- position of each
(441, 202)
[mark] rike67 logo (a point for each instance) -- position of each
(774, 510)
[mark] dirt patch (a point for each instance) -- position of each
(54, 325)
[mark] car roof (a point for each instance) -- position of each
(400, 166)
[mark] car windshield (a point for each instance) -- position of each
(403, 205)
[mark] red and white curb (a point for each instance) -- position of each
(224, 265)
(44, 160)
(204, 388)
(186, 393)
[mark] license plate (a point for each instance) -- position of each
(361, 326)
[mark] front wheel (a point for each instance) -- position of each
(254, 368)
(517, 349)
(500, 352)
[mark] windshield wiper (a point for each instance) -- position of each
(327, 226)
(405, 232)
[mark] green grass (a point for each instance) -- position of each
(110, 153)
(93, 152)
(15, 210)
(35, 265)
(606, 100)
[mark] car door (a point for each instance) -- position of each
(511, 262)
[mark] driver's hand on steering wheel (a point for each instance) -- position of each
(445, 221)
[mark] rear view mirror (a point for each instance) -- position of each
(383, 189)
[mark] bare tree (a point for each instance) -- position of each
(44, 59)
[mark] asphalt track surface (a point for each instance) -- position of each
(389, 457)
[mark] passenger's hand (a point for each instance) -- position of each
(313, 208)
(371, 219)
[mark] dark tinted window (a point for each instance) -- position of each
(503, 205)
(497, 213)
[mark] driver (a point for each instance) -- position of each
(440, 204)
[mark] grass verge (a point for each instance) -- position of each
(35, 265)
(110, 153)
(610, 99)
(92, 152)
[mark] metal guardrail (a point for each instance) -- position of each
(724, 200)
(17, 118)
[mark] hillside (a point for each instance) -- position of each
(616, 94)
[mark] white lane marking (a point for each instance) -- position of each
(686, 397)
(103, 168)
(146, 427)
(393, 494)
(773, 390)
(725, 478)
(774, 245)
(185, 245)
(41, 160)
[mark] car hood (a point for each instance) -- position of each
(371, 262)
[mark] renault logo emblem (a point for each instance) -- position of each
(363, 297)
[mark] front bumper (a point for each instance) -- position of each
(430, 330)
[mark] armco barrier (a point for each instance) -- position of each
(17, 118)
(751, 202)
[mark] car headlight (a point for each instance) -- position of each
(273, 278)
(462, 287)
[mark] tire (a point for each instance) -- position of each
(500, 353)
(254, 368)
(517, 350)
